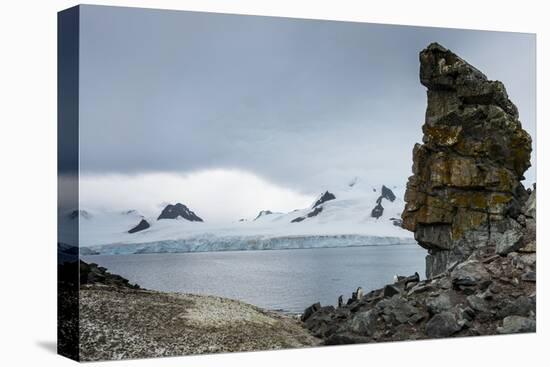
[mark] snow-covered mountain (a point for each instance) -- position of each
(357, 214)
(179, 210)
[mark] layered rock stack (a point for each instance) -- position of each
(465, 193)
(467, 206)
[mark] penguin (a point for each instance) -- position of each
(412, 279)
(359, 293)
(398, 278)
(340, 301)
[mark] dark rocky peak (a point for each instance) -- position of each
(79, 213)
(324, 198)
(179, 210)
(442, 72)
(142, 225)
(311, 214)
(263, 213)
(387, 194)
(465, 194)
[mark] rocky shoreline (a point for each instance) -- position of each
(483, 295)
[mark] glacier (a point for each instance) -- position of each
(242, 243)
(344, 221)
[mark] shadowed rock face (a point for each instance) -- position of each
(324, 198)
(387, 194)
(311, 214)
(142, 225)
(465, 192)
(378, 210)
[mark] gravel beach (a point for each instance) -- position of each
(123, 323)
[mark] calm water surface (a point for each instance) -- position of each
(288, 280)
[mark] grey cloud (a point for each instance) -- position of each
(303, 103)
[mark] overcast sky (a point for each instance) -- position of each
(205, 108)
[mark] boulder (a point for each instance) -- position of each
(521, 306)
(390, 290)
(321, 322)
(442, 325)
(509, 239)
(439, 304)
(469, 273)
(310, 311)
(400, 311)
(363, 323)
(477, 303)
(517, 324)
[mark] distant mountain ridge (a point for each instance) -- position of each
(350, 215)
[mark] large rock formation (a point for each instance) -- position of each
(467, 206)
(465, 193)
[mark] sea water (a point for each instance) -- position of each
(286, 280)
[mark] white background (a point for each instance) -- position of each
(28, 181)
